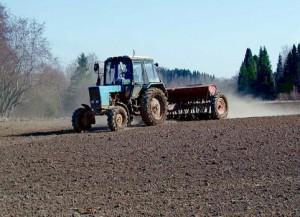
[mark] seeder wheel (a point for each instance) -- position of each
(219, 106)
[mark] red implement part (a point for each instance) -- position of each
(191, 93)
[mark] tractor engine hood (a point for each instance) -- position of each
(100, 96)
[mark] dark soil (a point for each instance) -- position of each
(236, 167)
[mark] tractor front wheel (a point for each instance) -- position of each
(117, 118)
(82, 119)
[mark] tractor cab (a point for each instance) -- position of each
(123, 81)
(129, 71)
(118, 71)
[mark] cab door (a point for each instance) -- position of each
(138, 78)
(150, 73)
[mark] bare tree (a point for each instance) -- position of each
(23, 50)
(45, 97)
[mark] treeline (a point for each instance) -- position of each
(56, 93)
(257, 78)
(287, 75)
(175, 77)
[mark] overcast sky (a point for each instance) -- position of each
(210, 36)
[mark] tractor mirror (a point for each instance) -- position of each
(96, 67)
(156, 64)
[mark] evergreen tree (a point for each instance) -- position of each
(81, 71)
(279, 74)
(248, 73)
(298, 69)
(78, 78)
(290, 71)
(255, 58)
(243, 82)
(294, 65)
(286, 83)
(251, 70)
(79, 75)
(265, 86)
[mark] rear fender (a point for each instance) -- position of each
(87, 107)
(159, 86)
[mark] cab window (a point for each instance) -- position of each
(151, 72)
(137, 72)
(110, 73)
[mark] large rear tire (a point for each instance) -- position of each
(154, 107)
(219, 106)
(117, 118)
(82, 120)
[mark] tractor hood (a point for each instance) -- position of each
(100, 96)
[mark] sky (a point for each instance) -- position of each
(209, 36)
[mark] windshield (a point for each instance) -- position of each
(115, 71)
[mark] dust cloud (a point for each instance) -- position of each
(241, 107)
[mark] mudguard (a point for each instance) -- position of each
(87, 107)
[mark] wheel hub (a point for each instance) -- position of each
(221, 106)
(155, 108)
(119, 120)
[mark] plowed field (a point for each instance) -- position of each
(234, 167)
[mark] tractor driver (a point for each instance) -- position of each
(122, 72)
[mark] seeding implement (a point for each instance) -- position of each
(131, 87)
(196, 102)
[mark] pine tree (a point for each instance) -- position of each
(247, 75)
(265, 85)
(298, 69)
(243, 79)
(255, 58)
(294, 65)
(81, 70)
(79, 76)
(289, 79)
(287, 83)
(279, 74)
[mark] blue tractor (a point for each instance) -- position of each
(130, 86)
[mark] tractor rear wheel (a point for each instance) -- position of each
(154, 107)
(82, 119)
(219, 106)
(117, 118)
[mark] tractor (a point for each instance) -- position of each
(130, 86)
